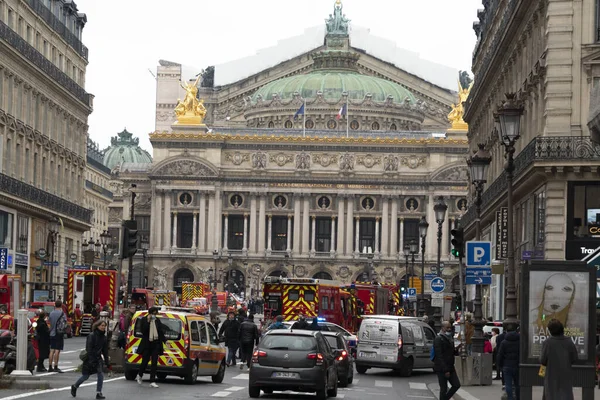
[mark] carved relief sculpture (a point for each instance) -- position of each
(343, 272)
(237, 158)
(185, 168)
(115, 215)
(259, 160)
(413, 161)
(281, 159)
(368, 161)
(303, 161)
(390, 163)
(347, 162)
(325, 160)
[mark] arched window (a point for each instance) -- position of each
(322, 275)
(181, 275)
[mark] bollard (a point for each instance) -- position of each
(22, 328)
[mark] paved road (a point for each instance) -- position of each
(376, 384)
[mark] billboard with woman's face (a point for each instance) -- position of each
(560, 295)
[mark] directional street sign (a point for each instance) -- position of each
(412, 293)
(50, 263)
(429, 277)
(478, 276)
(3, 258)
(437, 285)
(479, 254)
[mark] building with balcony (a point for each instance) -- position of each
(44, 110)
(336, 193)
(547, 53)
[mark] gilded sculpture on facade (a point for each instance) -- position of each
(458, 110)
(190, 111)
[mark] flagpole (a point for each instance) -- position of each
(304, 120)
(347, 119)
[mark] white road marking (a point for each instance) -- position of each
(417, 385)
(355, 380)
(31, 394)
(242, 376)
(71, 351)
(235, 388)
(220, 394)
(420, 397)
(340, 396)
(465, 395)
(54, 373)
(386, 384)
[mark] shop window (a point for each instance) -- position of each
(583, 218)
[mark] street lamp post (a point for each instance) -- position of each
(508, 125)
(106, 238)
(478, 165)
(414, 249)
(440, 214)
(406, 283)
(423, 227)
(145, 246)
(215, 257)
(53, 232)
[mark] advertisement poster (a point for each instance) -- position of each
(560, 295)
(41, 295)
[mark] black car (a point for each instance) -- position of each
(301, 361)
(345, 364)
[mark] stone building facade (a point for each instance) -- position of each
(256, 193)
(44, 110)
(547, 53)
(97, 196)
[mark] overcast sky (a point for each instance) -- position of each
(128, 37)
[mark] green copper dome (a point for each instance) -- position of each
(124, 148)
(332, 84)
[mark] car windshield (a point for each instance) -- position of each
(289, 342)
(333, 342)
(171, 326)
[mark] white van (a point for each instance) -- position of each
(398, 343)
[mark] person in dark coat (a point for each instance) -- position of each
(558, 355)
(443, 346)
(508, 360)
(151, 346)
(301, 323)
(248, 339)
(231, 331)
(97, 356)
(42, 333)
(314, 325)
(499, 340)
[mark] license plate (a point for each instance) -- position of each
(2, 363)
(367, 355)
(289, 375)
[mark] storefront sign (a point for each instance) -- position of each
(502, 233)
(21, 259)
(579, 248)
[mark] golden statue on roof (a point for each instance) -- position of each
(190, 111)
(458, 110)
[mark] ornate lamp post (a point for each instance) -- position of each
(53, 226)
(406, 253)
(105, 238)
(478, 164)
(414, 249)
(423, 227)
(508, 126)
(440, 214)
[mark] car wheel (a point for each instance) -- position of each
(361, 369)
(192, 375)
(268, 391)
(407, 368)
(218, 378)
(344, 380)
(351, 378)
(333, 391)
(130, 375)
(253, 392)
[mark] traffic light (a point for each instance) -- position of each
(129, 243)
(458, 242)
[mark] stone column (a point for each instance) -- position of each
(158, 217)
(340, 227)
(289, 235)
(445, 233)
(394, 228)
(194, 232)
(174, 245)
(401, 249)
(219, 219)
(431, 246)
(245, 248)
(357, 236)
(297, 224)
(225, 231)
(349, 222)
(376, 249)
(313, 235)
(269, 234)
(262, 220)
(211, 240)
(332, 249)
(305, 226)
(385, 228)
(202, 224)
(167, 228)
(252, 238)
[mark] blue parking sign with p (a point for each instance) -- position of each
(479, 254)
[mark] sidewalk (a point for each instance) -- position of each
(495, 392)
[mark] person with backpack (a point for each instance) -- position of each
(58, 327)
(443, 358)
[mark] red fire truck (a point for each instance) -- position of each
(192, 290)
(327, 299)
(372, 299)
(395, 305)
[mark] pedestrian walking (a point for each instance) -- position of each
(78, 319)
(124, 322)
(469, 330)
(231, 331)
(7, 322)
(558, 356)
(58, 323)
(151, 346)
(508, 360)
(495, 348)
(248, 339)
(96, 347)
(499, 374)
(443, 347)
(42, 335)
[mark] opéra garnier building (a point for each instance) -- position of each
(239, 189)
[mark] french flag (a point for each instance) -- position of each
(343, 112)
